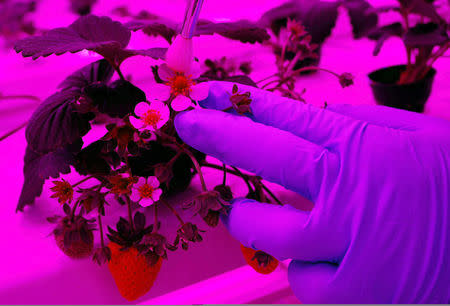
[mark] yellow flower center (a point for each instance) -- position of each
(151, 117)
(145, 191)
(180, 84)
(67, 191)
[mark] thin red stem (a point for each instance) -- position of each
(100, 225)
(82, 181)
(197, 167)
(130, 213)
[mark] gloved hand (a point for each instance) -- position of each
(380, 181)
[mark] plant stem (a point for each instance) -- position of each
(155, 222)
(245, 177)
(438, 54)
(171, 138)
(27, 97)
(283, 51)
(82, 181)
(13, 131)
(293, 62)
(294, 94)
(173, 211)
(197, 167)
(266, 78)
(271, 194)
(405, 16)
(100, 225)
(172, 161)
(130, 214)
(313, 68)
(271, 82)
(224, 180)
(230, 171)
(408, 54)
(72, 213)
(119, 72)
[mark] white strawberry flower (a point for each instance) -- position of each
(151, 116)
(146, 191)
(181, 86)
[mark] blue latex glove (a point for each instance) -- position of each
(380, 181)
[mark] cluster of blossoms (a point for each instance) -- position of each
(179, 90)
(144, 191)
(175, 92)
(296, 53)
(145, 128)
(130, 146)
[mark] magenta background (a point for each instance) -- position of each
(33, 270)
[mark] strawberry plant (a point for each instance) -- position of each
(15, 19)
(140, 160)
(424, 33)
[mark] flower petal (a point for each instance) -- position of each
(141, 181)
(195, 70)
(161, 92)
(146, 202)
(158, 105)
(157, 194)
(137, 123)
(153, 181)
(165, 73)
(200, 91)
(141, 108)
(135, 196)
(164, 118)
(180, 103)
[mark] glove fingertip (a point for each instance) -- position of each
(185, 124)
(225, 217)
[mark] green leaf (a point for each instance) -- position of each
(383, 33)
(40, 166)
(362, 17)
(99, 71)
(99, 34)
(425, 35)
(116, 100)
(318, 17)
(55, 123)
(242, 30)
(422, 8)
(158, 26)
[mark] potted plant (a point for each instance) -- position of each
(15, 20)
(425, 37)
(140, 160)
(318, 19)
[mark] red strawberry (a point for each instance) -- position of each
(132, 271)
(136, 256)
(77, 249)
(73, 234)
(260, 261)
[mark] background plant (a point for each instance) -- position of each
(423, 31)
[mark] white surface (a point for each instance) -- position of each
(240, 286)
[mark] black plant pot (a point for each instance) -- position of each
(411, 97)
